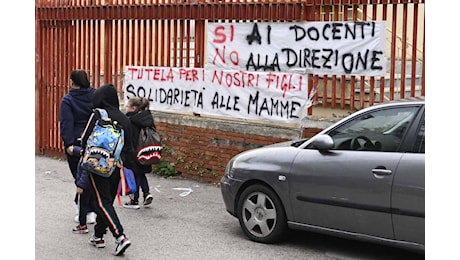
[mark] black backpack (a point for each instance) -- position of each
(149, 146)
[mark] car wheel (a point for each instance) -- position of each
(261, 214)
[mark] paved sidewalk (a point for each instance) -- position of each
(186, 220)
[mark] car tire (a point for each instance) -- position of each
(261, 214)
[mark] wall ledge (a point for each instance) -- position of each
(271, 129)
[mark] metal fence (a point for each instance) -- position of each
(103, 37)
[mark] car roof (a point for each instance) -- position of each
(410, 100)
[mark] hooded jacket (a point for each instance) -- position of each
(106, 97)
(75, 110)
(140, 120)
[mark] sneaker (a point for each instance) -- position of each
(131, 205)
(148, 199)
(80, 229)
(76, 219)
(91, 218)
(96, 241)
(122, 243)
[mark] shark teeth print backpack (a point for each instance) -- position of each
(149, 146)
(104, 145)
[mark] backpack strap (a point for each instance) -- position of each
(86, 128)
(102, 113)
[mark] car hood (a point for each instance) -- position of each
(294, 143)
(276, 159)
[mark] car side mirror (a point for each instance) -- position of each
(322, 142)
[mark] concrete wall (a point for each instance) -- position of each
(200, 147)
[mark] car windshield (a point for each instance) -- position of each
(392, 121)
(380, 130)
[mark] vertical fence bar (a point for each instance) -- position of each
(198, 36)
(187, 23)
(138, 37)
(325, 18)
(149, 43)
(131, 42)
(317, 17)
(116, 80)
(382, 79)
(38, 83)
(336, 10)
(372, 79)
(414, 51)
(51, 85)
(98, 40)
(157, 42)
(122, 46)
(168, 42)
(87, 45)
(62, 82)
(181, 42)
(93, 51)
(175, 49)
(353, 77)
(162, 42)
(45, 83)
(393, 51)
(108, 52)
(423, 63)
(144, 42)
(343, 80)
(55, 96)
(362, 98)
(402, 90)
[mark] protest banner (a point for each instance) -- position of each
(332, 48)
(271, 96)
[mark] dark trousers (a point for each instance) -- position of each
(87, 204)
(73, 163)
(142, 183)
(105, 191)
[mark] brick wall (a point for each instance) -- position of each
(199, 148)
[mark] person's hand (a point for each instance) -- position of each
(79, 190)
(70, 150)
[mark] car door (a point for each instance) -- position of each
(348, 188)
(408, 198)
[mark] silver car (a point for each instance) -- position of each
(361, 178)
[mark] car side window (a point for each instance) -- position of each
(419, 146)
(381, 130)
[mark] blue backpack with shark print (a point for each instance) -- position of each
(103, 147)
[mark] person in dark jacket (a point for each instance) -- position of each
(75, 110)
(105, 188)
(140, 116)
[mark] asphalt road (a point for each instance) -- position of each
(179, 224)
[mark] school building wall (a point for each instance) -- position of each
(200, 147)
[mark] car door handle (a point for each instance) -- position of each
(381, 172)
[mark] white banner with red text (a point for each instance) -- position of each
(271, 96)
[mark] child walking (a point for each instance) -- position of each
(137, 110)
(105, 188)
(74, 112)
